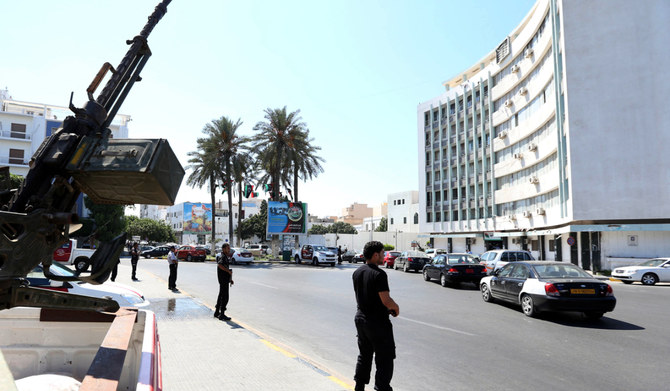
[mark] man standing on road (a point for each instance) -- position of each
(172, 262)
(225, 276)
(134, 257)
(375, 332)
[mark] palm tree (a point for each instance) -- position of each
(205, 172)
(228, 150)
(305, 164)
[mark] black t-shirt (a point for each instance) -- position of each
(369, 280)
(225, 261)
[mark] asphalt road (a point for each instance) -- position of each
(448, 338)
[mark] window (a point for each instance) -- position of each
(16, 156)
(391, 220)
(428, 218)
(404, 220)
(403, 201)
(18, 131)
(393, 202)
(416, 218)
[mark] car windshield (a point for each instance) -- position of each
(394, 254)
(417, 254)
(455, 259)
(653, 262)
(320, 248)
(560, 271)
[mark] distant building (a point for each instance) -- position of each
(403, 211)
(355, 213)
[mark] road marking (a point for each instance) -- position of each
(261, 284)
(340, 383)
(437, 327)
(280, 350)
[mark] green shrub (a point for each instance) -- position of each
(388, 247)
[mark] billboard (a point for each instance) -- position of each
(197, 218)
(287, 218)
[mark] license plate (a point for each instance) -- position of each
(583, 291)
(470, 271)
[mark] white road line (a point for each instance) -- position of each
(258, 283)
(437, 327)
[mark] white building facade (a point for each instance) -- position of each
(403, 211)
(555, 141)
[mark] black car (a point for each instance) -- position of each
(348, 256)
(452, 269)
(358, 258)
(159, 251)
(411, 260)
(549, 286)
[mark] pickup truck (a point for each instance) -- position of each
(48, 347)
(315, 255)
(70, 254)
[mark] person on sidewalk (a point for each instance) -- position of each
(134, 257)
(375, 332)
(225, 276)
(172, 262)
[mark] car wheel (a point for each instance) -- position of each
(528, 306)
(405, 268)
(81, 264)
(649, 279)
(426, 277)
(443, 280)
(627, 282)
(486, 293)
(297, 259)
(315, 261)
(189, 258)
(594, 315)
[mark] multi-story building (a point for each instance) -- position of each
(403, 211)
(555, 141)
(355, 213)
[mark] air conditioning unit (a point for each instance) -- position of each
(540, 211)
(523, 91)
(534, 180)
(502, 134)
(511, 217)
(515, 241)
(515, 68)
(527, 214)
(517, 156)
(532, 147)
(508, 103)
(528, 52)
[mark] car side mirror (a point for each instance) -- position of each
(495, 272)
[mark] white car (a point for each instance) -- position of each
(122, 294)
(649, 272)
(240, 255)
(495, 259)
(432, 252)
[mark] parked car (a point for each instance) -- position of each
(358, 258)
(241, 255)
(153, 252)
(454, 268)
(257, 249)
(495, 259)
(549, 286)
(411, 260)
(432, 252)
(348, 256)
(648, 273)
(191, 253)
(122, 294)
(389, 258)
(207, 249)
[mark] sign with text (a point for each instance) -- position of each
(197, 218)
(287, 218)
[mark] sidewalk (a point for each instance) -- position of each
(200, 352)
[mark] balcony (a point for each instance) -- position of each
(15, 135)
(14, 161)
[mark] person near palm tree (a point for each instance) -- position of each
(225, 277)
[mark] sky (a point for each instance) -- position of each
(356, 70)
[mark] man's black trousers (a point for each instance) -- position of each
(172, 280)
(375, 338)
(224, 295)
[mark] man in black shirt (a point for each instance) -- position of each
(225, 277)
(375, 332)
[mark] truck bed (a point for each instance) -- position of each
(38, 341)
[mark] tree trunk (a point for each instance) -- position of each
(275, 187)
(212, 193)
(239, 215)
(229, 187)
(295, 199)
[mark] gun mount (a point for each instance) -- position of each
(82, 157)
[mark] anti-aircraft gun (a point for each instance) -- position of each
(81, 157)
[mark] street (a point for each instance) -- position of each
(446, 338)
